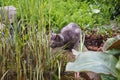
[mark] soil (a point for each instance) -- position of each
(95, 40)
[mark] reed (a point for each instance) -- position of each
(27, 53)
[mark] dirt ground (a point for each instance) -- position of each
(95, 40)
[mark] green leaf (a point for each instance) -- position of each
(97, 62)
(113, 51)
(118, 65)
(112, 43)
(107, 77)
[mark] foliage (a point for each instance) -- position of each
(82, 12)
(62, 12)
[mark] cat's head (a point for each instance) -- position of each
(56, 40)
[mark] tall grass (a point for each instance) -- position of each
(26, 55)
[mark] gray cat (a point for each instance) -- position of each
(68, 37)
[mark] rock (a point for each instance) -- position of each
(9, 11)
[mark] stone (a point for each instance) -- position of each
(8, 12)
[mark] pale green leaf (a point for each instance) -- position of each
(97, 62)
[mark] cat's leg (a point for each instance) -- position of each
(76, 45)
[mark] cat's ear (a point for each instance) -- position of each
(58, 37)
